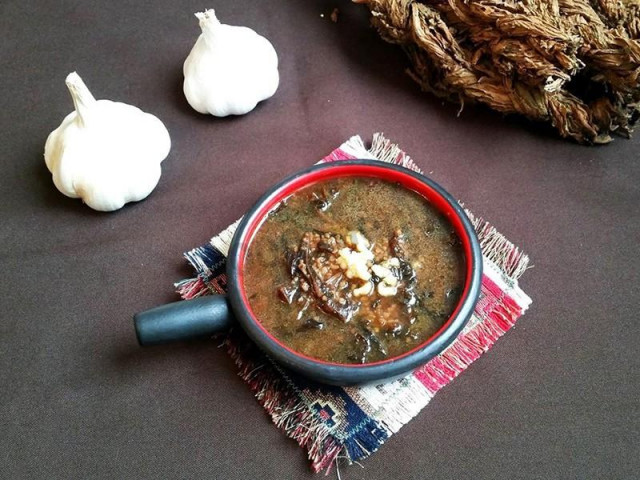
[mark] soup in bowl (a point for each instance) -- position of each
(349, 272)
(354, 270)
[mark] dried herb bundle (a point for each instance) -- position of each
(574, 63)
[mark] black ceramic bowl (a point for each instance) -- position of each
(208, 315)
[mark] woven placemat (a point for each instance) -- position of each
(353, 422)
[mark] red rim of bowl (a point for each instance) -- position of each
(432, 192)
(342, 373)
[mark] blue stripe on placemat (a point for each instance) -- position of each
(207, 260)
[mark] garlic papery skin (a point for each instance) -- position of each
(229, 69)
(106, 153)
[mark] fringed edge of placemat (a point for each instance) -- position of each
(495, 247)
(283, 402)
(281, 398)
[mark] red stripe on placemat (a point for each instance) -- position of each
(488, 285)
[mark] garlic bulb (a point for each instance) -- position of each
(106, 153)
(230, 69)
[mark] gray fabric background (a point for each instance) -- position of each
(557, 397)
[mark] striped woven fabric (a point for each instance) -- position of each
(331, 422)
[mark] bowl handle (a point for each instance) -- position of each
(185, 320)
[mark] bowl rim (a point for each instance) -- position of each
(346, 374)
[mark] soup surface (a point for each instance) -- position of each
(354, 270)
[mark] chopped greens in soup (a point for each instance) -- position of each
(354, 270)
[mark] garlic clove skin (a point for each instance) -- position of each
(229, 69)
(107, 153)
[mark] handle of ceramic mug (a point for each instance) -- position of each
(186, 320)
